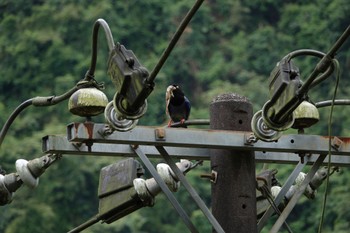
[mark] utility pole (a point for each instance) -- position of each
(233, 190)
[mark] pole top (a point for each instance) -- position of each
(230, 97)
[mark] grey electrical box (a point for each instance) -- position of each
(117, 196)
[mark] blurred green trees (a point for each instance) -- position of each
(229, 46)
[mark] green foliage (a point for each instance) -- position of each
(229, 46)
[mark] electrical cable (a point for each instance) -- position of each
(41, 101)
(313, 79)
(328, 103)
(174, 40)
(51, 100)
(315, 53)
(110, 42)
(86, 224)
(329, 145)
(324, 69)
(12, 117)
(325, 62)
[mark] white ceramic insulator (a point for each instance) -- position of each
(168, 176)
(275, 190)
(183, 165)
(309, 192)
(141, 189)
(300, 179)
(25, 174)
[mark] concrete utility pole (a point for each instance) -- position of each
(233, 192)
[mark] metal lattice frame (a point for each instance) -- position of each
(167, 143)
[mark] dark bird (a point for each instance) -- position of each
(178, 107)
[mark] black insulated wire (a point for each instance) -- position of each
(110, 42)
(12, 117)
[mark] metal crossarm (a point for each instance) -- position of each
(199, 138)
(60, 145)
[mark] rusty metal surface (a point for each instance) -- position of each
(203, 138)
(60, 145)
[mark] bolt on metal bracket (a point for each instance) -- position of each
(213, 176)
(337, 143)
(160, 134)
(250, 139)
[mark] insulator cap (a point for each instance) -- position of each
(305, 115)
(87, 102)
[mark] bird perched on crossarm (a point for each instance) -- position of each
(178, 107)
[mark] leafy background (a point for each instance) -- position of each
(229, 46)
